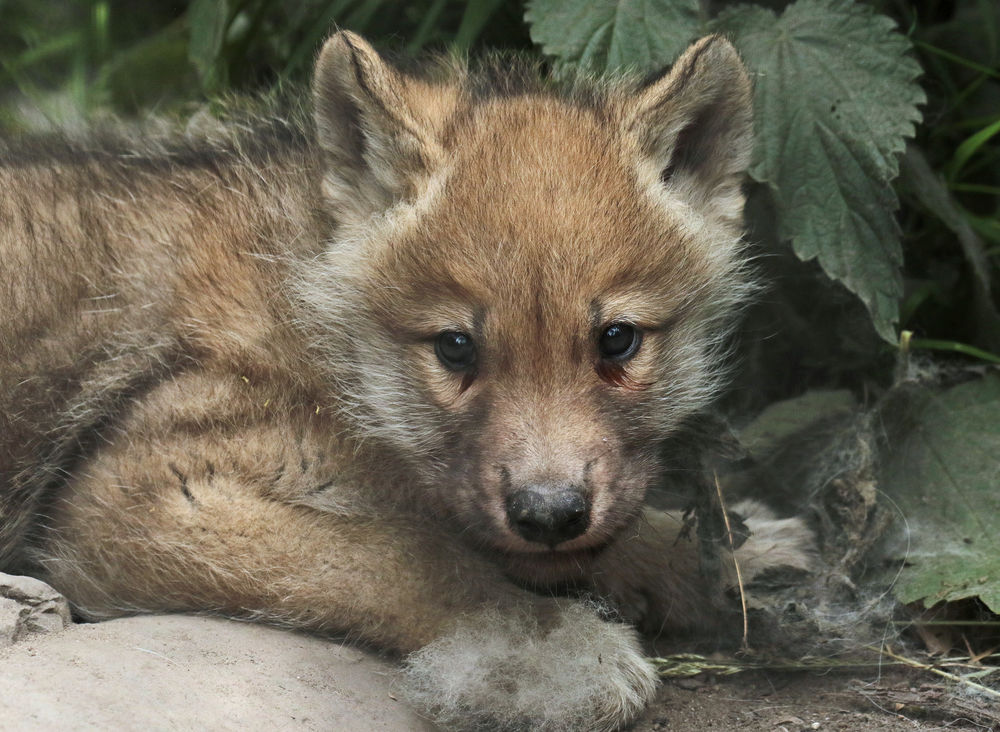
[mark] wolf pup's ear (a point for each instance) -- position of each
(694, 129)
(379, 148)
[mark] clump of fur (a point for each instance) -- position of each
(504, 672)
(829, 468)
(773, 541)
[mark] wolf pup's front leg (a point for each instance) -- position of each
(564, 669)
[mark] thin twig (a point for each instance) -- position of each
(934, 670)
(736, 564)
(692, 664)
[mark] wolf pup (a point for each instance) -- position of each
(398, 375)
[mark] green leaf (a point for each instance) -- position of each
(612, 35)
(986, 227)
(475, 18)
(359, 18)
(943, 474)
(427, 25)
(781, 421)
(208, 20)
(931, 191)
(154, 71)
(965, 349)
(969, 147)
(835, 99)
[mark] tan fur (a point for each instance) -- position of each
(220, 389)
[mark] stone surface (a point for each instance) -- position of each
(186, 673)
(29, 606)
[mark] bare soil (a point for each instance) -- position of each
(784, 702)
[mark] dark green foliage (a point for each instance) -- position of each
(836, 97)
(77, 57)
(615, 35)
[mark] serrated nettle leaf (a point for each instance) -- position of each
(836, 97)
(943, 475)
(614, 35)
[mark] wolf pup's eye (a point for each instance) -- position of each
(455, 350)
(619, 341)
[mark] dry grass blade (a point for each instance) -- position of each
(936, 700)
(682, 665)
(963, 680)
(739, 576)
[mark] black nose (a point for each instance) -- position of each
(548, 516)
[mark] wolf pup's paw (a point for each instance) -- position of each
(511, 671)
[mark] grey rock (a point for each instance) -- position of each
(29, 606)
(186, 674)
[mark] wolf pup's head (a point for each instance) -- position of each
(526, 286)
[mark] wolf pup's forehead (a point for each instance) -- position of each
(386, 134)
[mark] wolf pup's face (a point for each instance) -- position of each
(525, 287)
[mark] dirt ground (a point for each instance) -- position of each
(897, 700)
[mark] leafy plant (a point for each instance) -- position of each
(114, 54)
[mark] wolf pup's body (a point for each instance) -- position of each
(385, 379)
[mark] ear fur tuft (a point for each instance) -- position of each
(694, 125)
(376, 144)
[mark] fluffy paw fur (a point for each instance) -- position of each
(510, 671)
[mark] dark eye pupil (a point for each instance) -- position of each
(619, 340)
(455, 350)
